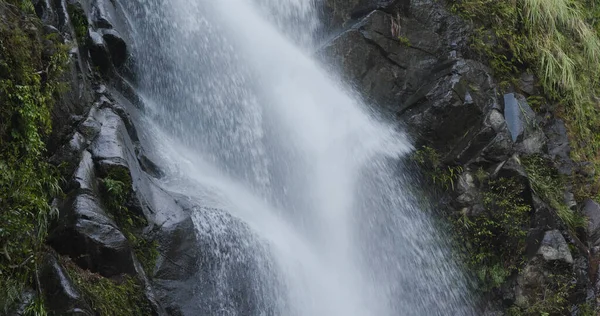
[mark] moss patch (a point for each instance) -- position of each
(495, 237)
(551, 297)
(29, 83)
(109, 297)
(117, 191)
(79, 22)
(549, 186)
(440, 174)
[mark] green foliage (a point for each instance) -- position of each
(36, 308)
(79, 22)
(404, 41)
(587, 310)
(547, 184)
(558, 41)
(29, 82)
(116, 193)
(551, 297)
(438, 173)
(495, 237)
(108, 297)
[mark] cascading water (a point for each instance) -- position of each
(305, 202)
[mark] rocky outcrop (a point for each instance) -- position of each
(411, 59)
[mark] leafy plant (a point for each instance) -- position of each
(29, 83)
(495, 237)
(439, 174)
(547, 184)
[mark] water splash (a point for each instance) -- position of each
(306, 209)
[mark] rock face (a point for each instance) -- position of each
(404, 56)
(410, 59)
(61, 295)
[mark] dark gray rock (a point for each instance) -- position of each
(44, 9)
(113, 146)
(527, 84)
(178, 251)
(61, 297)
(84, 179)
(559, 148)
(591, 210)
(103, 14)
(116, 46)
(86, 234)
(342, 11)
(69, 155)
(99, 52)
(554, 248)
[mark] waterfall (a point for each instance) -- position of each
(306, 206)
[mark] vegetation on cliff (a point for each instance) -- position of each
(557, 41)
(31, 65)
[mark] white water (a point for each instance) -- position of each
(317, 218)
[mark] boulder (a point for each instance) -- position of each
(116, 46)
(70, 153)
(99, 51)
(558, 147)
(103, 14)
(554, 248)
(591, 210)
(178, 251)
(61, 297)
(91, 238)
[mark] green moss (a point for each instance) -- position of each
(107, 297)
(116, 193)
(548, 185)
(495, 238)
(551, 297)
(29, 83)
(79, 22)
(404, 41)
(438, 173)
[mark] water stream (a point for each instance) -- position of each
(307, 207)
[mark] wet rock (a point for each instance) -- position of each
(69, 155)
(99, 51)
(45, 11)
(84, 179)
(116, 46)
(61, 295)
(591, 210)
(90, 127)
(178, 251)
(149, 166)
(90, 237)
(103, 14)
(342, 11)
(554, 248)
(112, 147)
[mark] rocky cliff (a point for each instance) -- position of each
(118, 244)
(505, 168)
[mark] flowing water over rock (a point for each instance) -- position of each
(304, 202)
